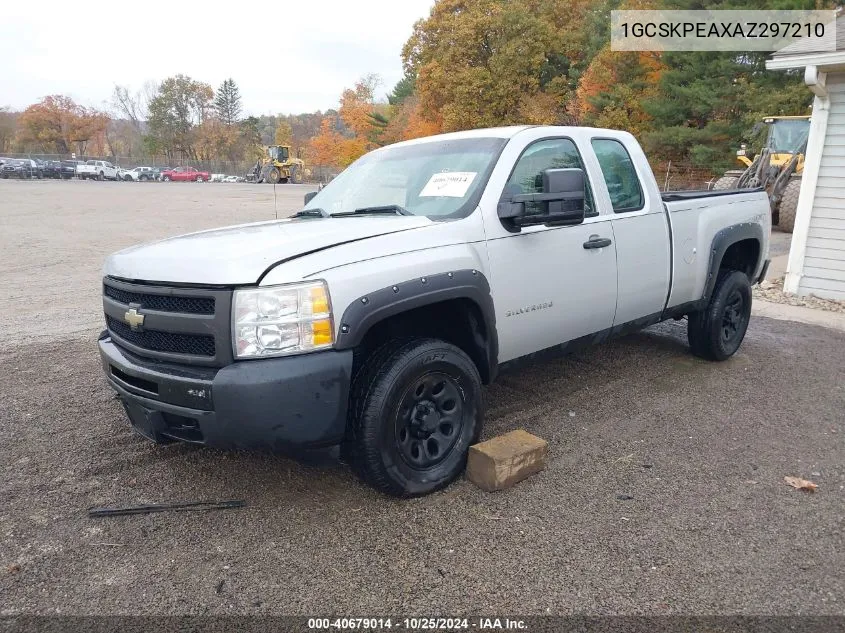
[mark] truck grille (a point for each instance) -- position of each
(180, 324)
(163, 303)
(190, 344)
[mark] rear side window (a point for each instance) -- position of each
(623, 185)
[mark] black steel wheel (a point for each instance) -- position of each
(415, 409)
(429, 420)
(717, 331)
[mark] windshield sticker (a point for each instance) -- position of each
(452, 184)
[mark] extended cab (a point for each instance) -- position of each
(372, 318)
(97, 170)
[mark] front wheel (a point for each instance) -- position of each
(717, 331)
(295, 175)
(415, 409)
(166, 179)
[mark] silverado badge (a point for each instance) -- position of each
(134, 318)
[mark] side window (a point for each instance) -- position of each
(527, 175)
(623, 185)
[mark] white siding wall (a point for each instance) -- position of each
(824, 261)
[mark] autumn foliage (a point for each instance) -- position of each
(58, 124)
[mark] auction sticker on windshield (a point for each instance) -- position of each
(453, 184)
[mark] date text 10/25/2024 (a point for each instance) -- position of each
(417, 624)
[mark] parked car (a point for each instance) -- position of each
(68, 169)
(97, 170)
(141, 174)
(51, 168)
(189, 174)
(372, 318)
(22, 168)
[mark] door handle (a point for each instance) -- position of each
(597, 242)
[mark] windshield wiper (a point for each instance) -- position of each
(390, 209)
(310, 213)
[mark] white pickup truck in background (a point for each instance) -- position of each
(372, 318)
(97, 170)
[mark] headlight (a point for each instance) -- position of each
(280, 320)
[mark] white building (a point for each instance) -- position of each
(817, 255)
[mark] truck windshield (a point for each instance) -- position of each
(437, 179)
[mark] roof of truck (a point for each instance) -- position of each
(488, 132)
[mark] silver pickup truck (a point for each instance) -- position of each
(371, 319)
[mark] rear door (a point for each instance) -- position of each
(550, 285)
(640, 227)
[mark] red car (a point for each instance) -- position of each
(185, 173)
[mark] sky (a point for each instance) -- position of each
(286, 57)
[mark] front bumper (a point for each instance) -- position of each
(282, 404)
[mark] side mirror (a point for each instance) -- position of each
(309, 196)
(561, 203)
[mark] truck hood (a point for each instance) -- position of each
(242, 254)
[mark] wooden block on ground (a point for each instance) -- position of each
(501, 462)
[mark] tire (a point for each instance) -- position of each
(101, 176)
(725, 182)
(295, 175)
(166, 179)
(717, 331)
(273, 176)
(415, 409)
(127, 179)
(789, 205)
(200, 179)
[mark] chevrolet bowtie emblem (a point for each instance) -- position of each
(134, 318)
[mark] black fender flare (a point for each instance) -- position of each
(723, 240)
(368, 310)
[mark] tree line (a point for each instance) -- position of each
(469, 64)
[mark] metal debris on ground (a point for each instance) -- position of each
(188, 506)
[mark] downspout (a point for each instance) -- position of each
(816, 82)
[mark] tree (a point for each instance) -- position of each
(284, 132)
(8, 125)
(706, 103)
(612, 90)
(403, 89)
(228, 102)
(130, 106)
(58, 124)
(179, 105)
(495, 62)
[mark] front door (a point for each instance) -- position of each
(551, 285)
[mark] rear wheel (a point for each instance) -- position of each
(726, 182)
(789, 205)
(101, 176)
(415, 409)
(166, 178)
(717, 331)
(200, 179)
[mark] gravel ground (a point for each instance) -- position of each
(772, 290)
(701, 448)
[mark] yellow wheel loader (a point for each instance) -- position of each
(777, 168)
(279, 166)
